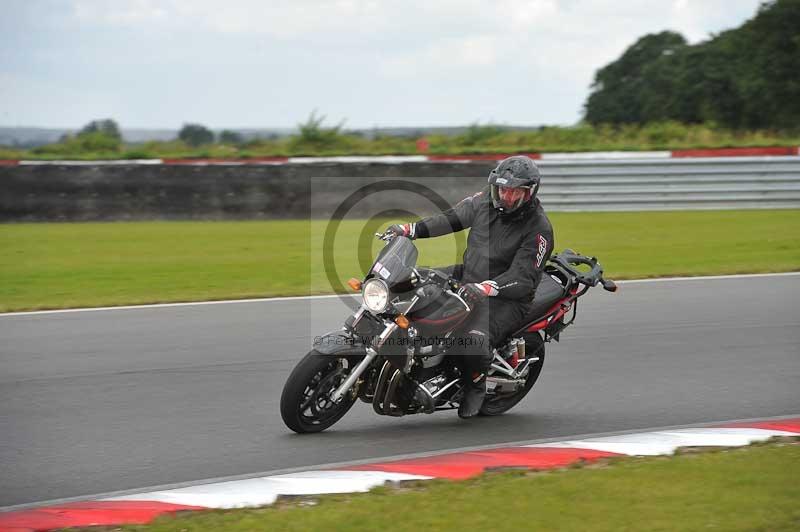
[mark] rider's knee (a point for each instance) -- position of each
(477, 340)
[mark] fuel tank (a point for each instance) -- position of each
(441, 316)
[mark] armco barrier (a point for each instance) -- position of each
(691, 183)
(269, 189)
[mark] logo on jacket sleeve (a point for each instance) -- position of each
(542, 250)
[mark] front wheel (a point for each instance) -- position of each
(305, 402)
(499, 404)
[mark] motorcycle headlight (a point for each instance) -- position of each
(376, 295)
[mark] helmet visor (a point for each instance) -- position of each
(510, 198)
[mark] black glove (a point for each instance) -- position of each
(406, 230)
(474, 293)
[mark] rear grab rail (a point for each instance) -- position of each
(569, 262)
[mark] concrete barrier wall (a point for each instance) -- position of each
(214, 192)
(97, 192)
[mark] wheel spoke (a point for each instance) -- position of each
(316, 405)
(306, 403)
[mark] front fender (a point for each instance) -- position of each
(340, 342)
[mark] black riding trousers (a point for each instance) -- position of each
(492, 320)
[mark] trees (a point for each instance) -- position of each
(195, 135)
(97, 137)
(617, 87)
(312, 132)
(230, 137)
(313, 137)
(767, 78)
(741, 78)
(107, 127)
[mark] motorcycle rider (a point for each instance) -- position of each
(508, 246)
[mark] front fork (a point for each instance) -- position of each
(362, 366)
(372, 351)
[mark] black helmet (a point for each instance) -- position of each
(518, 172)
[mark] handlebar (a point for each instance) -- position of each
(567, 260)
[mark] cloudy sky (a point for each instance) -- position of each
(262, 63)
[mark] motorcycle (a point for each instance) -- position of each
(392, 351)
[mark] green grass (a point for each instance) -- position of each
(93, 264)
(745, 489)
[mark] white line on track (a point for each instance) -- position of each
(166, 305)
(708, 277)
(331, 296)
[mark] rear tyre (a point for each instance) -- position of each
(305, 403)
(496, 405)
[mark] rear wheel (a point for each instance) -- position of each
(305, 402)
(494, 405)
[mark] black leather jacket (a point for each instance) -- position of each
(510, 250)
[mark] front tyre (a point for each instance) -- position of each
(305, 402)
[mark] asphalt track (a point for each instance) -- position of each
(93, 402)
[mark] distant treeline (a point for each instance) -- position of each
(315, 140)
(748, 77)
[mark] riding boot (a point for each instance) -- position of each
(474, 393)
